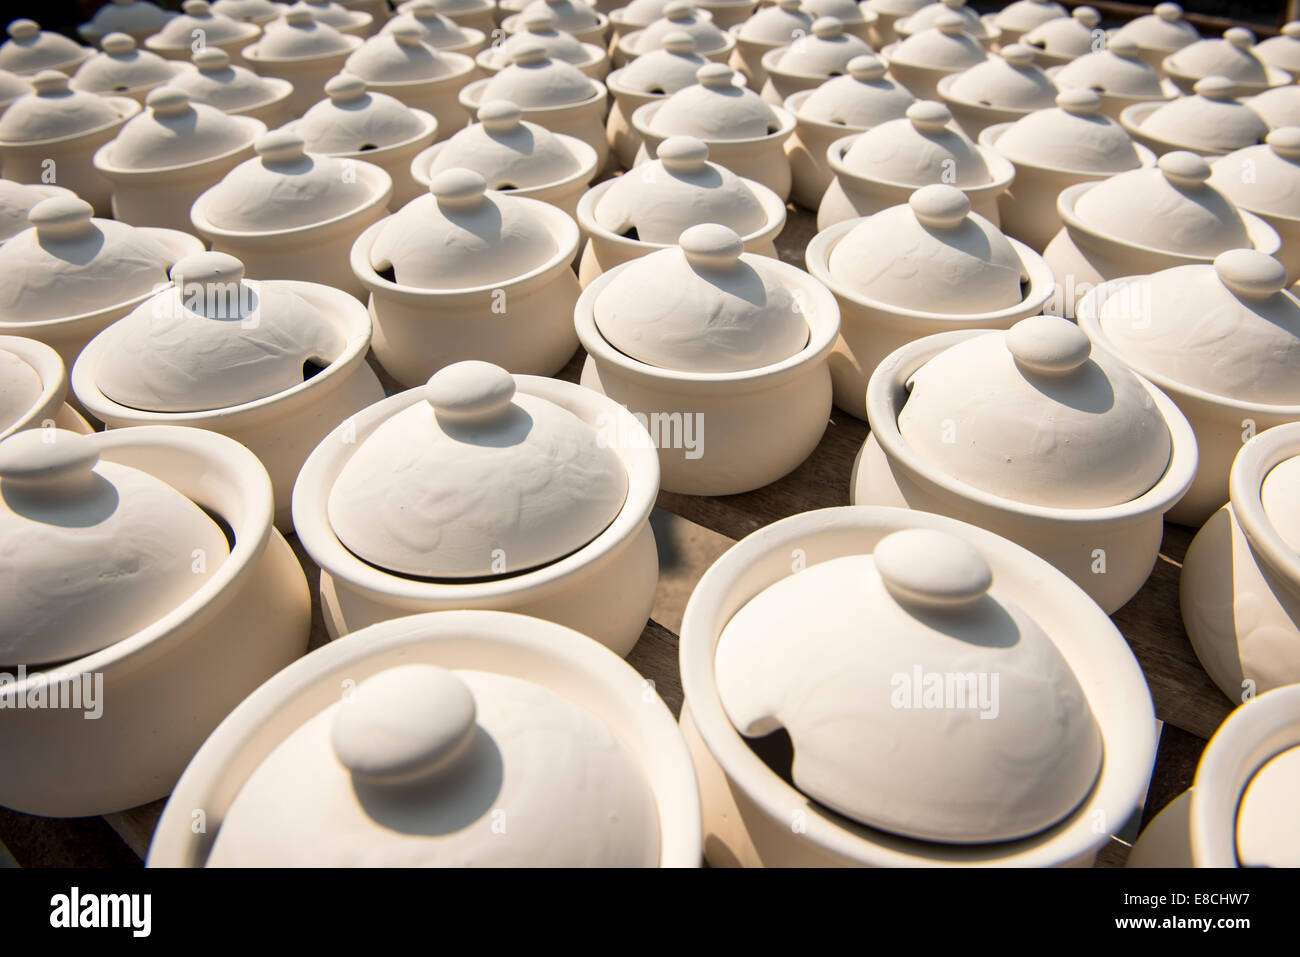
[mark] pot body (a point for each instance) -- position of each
(564, 194)
(747, 59)
(849, 197)
(584, 121)
(762, 160)
(921, 81)
(809, 169)
(66, 162)
(1167, 840)
(624, 141)
(438, 97)
(1028, 208)
(308, 76)
(276, 111)
(163, 197)
(727, 13)
(779, 85)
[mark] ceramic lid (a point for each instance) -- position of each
(13, 86)
(1071, 36)
(1277, 106)
(866, 97)
(399, 56)
(507, 151)
(539, 27)
(777, 25)
(535, 82)
(17, 200)
(660, 199)
(1118, 70)
(249, 11)
(704, 306)
(352, 119)
(129, 16)
(1010, 81)
(298, 36)
(1231, 55)
(70, 264)
(1213, 118)
(680, 16)
(928, 17)
(1033, 414)
(896, 8)
(94, 551)
(640, 13)
(945, 46)
(571, 16)
(435, 29)
(1229, 329)
(1024, 15)
(476, 480)
(931, 254)
(53, 111)
(284, 187)
(664, 71)
(715, 108)
(920, 149)
(213, 340)
(1282, 51)
(121, 67)
(172, 131)
(461, 235)
(842, 655)
(1162, 29)
(1279, 495)
(198, 15)
(217, 82)
(1074, 135)
(422, 766)
(1268, 827)
(1169, 206)
(847, 11)
(333, 14)
(826, 53)
(30, 49)
(1264, 178)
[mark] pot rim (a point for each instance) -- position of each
(625, 41)
(104, 165)
(63, 66)
(642, 115)
(818, 78)
(1274, 76)
(49, 368)
(1001, 170)
(250, 54)
(467, 68)
(1250, 468)
(471, 94)
(596, 54)
(583, 152)
(251, 30)
(283, 86)
(510, 22)
(1133, 116)
(430, 129)
(125, 111)
(182, 66)
(991, 134)
(1013, 112)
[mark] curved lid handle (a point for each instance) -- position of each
(458, 188)
(220, 277)
(715, 76)
(200, 8)
(1048, 345)
(923, 568)
(679, 42)
(405, 724)
(679, 11)
(529, 53)
(500, 116)
(50, 83)
(470, 391)
(1285, 142)
(1088, 16)
(1079, 101)
(211, 59)
(407, 35)
(711, 246)
(929, 116)
(345, 88)
(1250, 273)
(48, 460)
(949, 24)
(117, 44)
(1184, 169)
(168, 101)
(1169, 12)
(866, 68)
(827, 28)
(1019, 55)
(24, 29)
(1239, 37)
(540, 20)
(299, 16)
(683, 153)
(939, 206)
(61, 217)
(1218, 88)
(280, 147)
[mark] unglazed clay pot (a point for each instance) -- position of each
(197, 28)
(679, 16)
(33, 385)
(1278, 106)
(305, 53)
(17, 200)
(1240, 810)
(1232, 56)
(138, 19)
(1054, 149)
(1001, 89)
(981, 29)
(29, 50)
(520, 494)
(1265, 180)
(1018, 18)
(648, 78)
(574, 17)
(355, 122)
(68, 276)
(771, 27)
(743, 133)
(122, 70)
(809, 62)
(354, 22)
(475, 14)
(217, 352)
(1144, 221)
(915, 270)
(399, 64)
(1158, 34)
(885, 165)
(718, 350)
(587, 769)
(1223, 339)
(49, 135)
(1282, 51)
(857, 102)
(438, 31)
(290, 214)
(551, 93)
(889, 12)
(510, 153)
(142, 601)
(1065, 39)
(857, 19)
(647, 209)
(260, 12)
(1212, 122)
(923, 59)
(164, 157)
(727, 14)
(539, 27)
(1036, 436)
(1118, 73)
(1074, 741)
(235, 89)
(470, 273)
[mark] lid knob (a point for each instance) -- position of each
(716, 76)
(117, 44)
(458, 187)
(218, 275)
(541, 20)
(1292, 30)
(683, 153)
(790, 6)
(211, 59)
(168, 101)
(45, 460)
(1285, 142)
(50, 83)
(529, 53)
(1019, 55)
(500, 116)
(1124, 48)
(866, 69)
(679, 42)
(950, 25)
(711, 246)
(1048, 345)
(928, 116)
(1079, 101)
(940, 206)
(407, 35)
(61, 217)
(1169, 12)
(1183, 168)
(469, 391)
(1218, 88)
(280, 147)
(299, 16)
(345, 88)
(424, 9)
(827, 28)
(1250, 273)
(930, 569)
(1239, 37)
(679, 10)
(404, 724)
(1087, 16)
(22, 30)
(197, 8)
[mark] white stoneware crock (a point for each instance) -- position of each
(437, 30)
(1265, 180)
(33, 385)
(303, 52)
(679, 16)
(1283, 50)
(857, 18)
(475, 14)
(17, 200)
(123, 70)
(810, 61)
(400, 65)
(29, 50)
(1001, 89)
(539, 27)
(574, 17)
(769, 28)
(1018, 18)
(138, 19)
(648, 78)
(197, 28)
(979, 28)
(1232, 56)
(1064, 39)
(236, 89)
(1118, 73)
(923, 59)
(1158, 33)
(260, 12)
(354, 22)
(889, 12)
(1211, 122)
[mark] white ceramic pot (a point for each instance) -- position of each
(288, 214)
(357, 23)
(771, 27)
(1018, 18)
(138, 19)
(982, 29)
(438, 31)
(652, 76)
(475, 14)
(576, 18)
(921, 60)
(399, 64)
(1001, 89)
(1062, 40)
(236, 90)
(1086, 491)
(1118, 74)
(857, 18)
(197, 28)
(1278, 106)
(1283, 50)
(1231, 56)
(810, 61)
(1158, 33)
(1212, 122)
(889, 12)
(29, 50)
(561, 812)
(605, 586)
(1265, 180)
(679, 16)
(539, 27)
(726, 13)
(17, 200)
(754, 817)
(123, 70)
(302, 52)
(173, 677)
(260, 12)
(35, 385)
